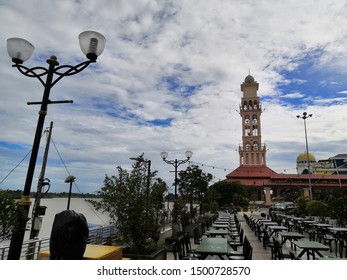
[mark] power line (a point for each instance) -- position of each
(68, 172)
(13, 169)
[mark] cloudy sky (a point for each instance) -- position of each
(169, 80)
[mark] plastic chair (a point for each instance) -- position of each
(278, 252)
(268, 243)
(245, 254)
(237, 243)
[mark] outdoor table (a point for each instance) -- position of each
(276, 229)
(290, 235)
(338, 229)
(213, 246)
(215, 232)
(268, 224)
(323, 225)
(224, 218)
(265, 221)
(298, 218)
(221, 222)
(220, 226)
(310, 248)
(308, 224)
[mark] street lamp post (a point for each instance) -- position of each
(304, 117)
(92, 44)
(176, 163)
(70, 179)
(139, 159)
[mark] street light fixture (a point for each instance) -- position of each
(304, 117)
(92, 44)
(70, 179)
(176, 163)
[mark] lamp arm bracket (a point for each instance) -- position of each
(172, 162)
(35, 72)
(69, 70)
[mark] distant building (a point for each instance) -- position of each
(335, 165)
(264, 183)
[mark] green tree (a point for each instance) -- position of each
(317, 208)
(136, 210)
(301, 203)
(192, 185)
(11, 215)
(231, 193)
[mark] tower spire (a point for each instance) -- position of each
(252, 151)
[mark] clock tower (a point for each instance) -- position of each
(252, 152)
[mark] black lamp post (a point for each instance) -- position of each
(304, 117)
(139, 159)
(70, 179)
(92, 44)
(176, 163)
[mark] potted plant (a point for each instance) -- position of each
(135, 202)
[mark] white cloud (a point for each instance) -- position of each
(293, 95)
(213, 44)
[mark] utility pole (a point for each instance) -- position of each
(38, 210)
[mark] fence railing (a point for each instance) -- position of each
(31, 248)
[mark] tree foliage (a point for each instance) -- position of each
(317, 208)
(192, 186)
(11, 215)
(136, 209)
(231, 193)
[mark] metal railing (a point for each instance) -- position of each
(30, 250)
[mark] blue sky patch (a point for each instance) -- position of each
(311, 83)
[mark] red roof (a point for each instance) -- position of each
(251, 171)
(262, 175)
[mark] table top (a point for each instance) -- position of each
(291, 234)
(278, 227)
(338, 229)
(298, 218)
(220, 225)
(217, 232)
(310, 222)
(213, 245)
(323, 225)
(313, 245)
(218, 222)
(265, 221)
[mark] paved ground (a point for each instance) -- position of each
(259, 253)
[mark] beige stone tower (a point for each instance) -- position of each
(252, 152)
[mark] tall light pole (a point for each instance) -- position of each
(304, 117)
(70, 179)
(148, 162)
(92, 44)
(176, 163)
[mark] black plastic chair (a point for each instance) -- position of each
(237, 243)
(268, 243)
(341, 247)
(197, 236)
(176, 251)
(278, 252)
(325, 236)
(245, 254)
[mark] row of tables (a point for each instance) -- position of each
(216, 243)
(310, 248)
